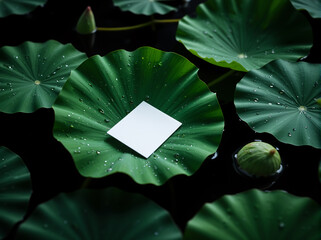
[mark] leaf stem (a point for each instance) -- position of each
(141, 25)
(220, 78)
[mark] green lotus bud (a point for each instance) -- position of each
(86, 23)
(259, 159)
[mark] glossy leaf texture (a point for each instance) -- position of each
(255, 214)
(280, 99)
(103, 90)
(312, 7)
(19, 7)
(144, 7)
(97, 215)
(32, 74)
(15, 190)
(245, 35)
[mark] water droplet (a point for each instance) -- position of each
(281, 225)
(207, 34)
(242, 55)
(256, 99)
(8, 66)
(81, 100)
(302, 109)
(107, 120)
(101, 110)
(97, 152)
(289, 134)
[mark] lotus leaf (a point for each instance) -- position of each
(245, 35)
(281, 99)
(8, 7)
(15, 190)
(255, 214)
(97, 215)
(145, 7)
(312, 7)
(32, 74)
(103, 90)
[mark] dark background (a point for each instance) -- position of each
(51, 166)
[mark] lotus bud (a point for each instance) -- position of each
(86, 23)
(259, 159)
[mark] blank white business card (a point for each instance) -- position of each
(144, 129)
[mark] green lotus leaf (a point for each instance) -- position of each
(32, 74)
(145, 7)
(245, 35)
(8, 7)
(15, 190)
(312, 7)
(103, 90)
(280, 99)
(97, 215)
(255, 214)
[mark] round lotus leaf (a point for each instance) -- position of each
(145, 7)
(32, 74)
(255, 214)
(15, 190)
(245, 35)
(8, 7)
(103, 90)
(312, 7)
(281, 99)
(98, 215)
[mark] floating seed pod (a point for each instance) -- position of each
(259, 159)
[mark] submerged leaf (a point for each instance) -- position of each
(15, 190)
(97, 215)
(255, 214)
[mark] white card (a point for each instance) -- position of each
(144, 129)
